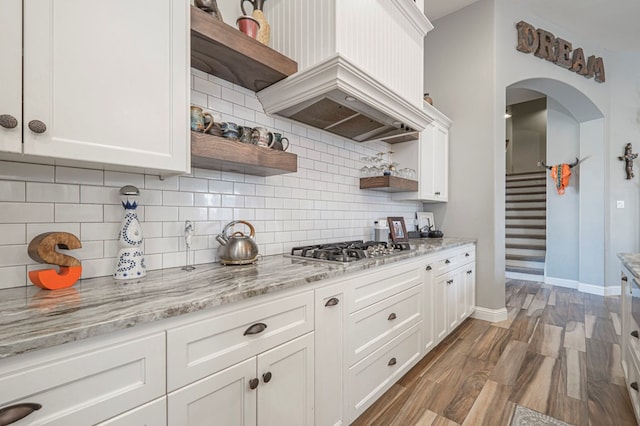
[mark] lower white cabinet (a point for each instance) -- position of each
(273, 388)
(630, 310)
(85, 384)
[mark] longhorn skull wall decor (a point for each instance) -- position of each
(628, 158)
(561, 174)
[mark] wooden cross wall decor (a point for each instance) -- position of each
(628, 158)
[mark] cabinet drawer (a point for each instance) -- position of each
(375, 325)
(88, 387)
(456, 258)
(198, 349)
(151, 414)
(633, 381)
(372, 376)
(370, 288)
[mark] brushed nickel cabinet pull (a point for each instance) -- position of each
(447, 261)
(256, 328)
(634, 386)
(392, 361)
(428, 268)
(332, 302)
(634, 333)
(8, 121)
(253, 383)
(392, 316)
(13, 413)
(266, 377)
(37, 126)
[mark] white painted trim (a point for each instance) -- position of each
(584, 288)
(526, 277)
(561, 282)
(414, 15)
(491, 315)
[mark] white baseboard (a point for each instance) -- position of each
(525, 277)
(584, 288)
(491, 315)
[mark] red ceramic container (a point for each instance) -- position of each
(248, 25)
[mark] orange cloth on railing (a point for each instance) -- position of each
(561, 179)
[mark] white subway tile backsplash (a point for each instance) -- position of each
(120, 179)
(26, 172)
(13, 276)
(319, 203)
(190, 184)
(26, 212)
(52, 193)
(99, 195)
(79, 176)
(175, 198)
(78, 213)
(161, 214)
(12, 190)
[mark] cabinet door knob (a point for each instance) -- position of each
(8, 121)
(266, 377)
(392, 361)
(428, 268)
(467, 255)
(447, 261)
(332, 302)
(634, 386)
(256, 328)
(449, 282)
(37, 126)
(624, 278)
(469, 272)
(13, 413)
(437, 193)
(392, 316)
(253, 383)
(634, 333)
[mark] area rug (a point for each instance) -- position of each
(524, 416)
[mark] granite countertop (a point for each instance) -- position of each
(36, 319)
(632, 262)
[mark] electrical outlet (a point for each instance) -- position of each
(620, 204)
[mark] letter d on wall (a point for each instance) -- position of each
(43, 249)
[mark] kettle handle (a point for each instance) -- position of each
(252, 230)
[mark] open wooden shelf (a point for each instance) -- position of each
(389, 184)
(223, 51)
(216, 153)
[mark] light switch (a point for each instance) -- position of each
(620, 204)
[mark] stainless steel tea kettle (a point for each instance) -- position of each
(237, 248)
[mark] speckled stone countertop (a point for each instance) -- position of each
(32, 319)
(632, 262)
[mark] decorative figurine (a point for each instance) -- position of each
(264, 32)
(211, 7)
(42, 249)
(628, 158)
(130, 257)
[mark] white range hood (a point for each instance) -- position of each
(353, 81)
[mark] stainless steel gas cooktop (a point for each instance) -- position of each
(348, 251)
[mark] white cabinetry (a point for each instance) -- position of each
(110, 88)
(275, 340)
(329, 334)
(86, 384)
(429, 156)
(630, 337)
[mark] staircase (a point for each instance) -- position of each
(526, 225)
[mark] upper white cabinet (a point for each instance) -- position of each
(107, 86)
(429, 156)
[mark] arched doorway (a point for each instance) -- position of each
(573, 230)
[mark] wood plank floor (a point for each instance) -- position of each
(558, 354)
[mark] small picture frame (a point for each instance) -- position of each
(425, 221)
(397, 229)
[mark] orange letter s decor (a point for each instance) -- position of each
(42, 249)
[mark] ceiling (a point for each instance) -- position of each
(611, 23)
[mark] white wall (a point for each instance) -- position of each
(321, 202)
(563, 211)
(459, 75)
(528, 136)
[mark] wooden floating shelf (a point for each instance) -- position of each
(223, 51)
(389, 184)
(216, 153)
